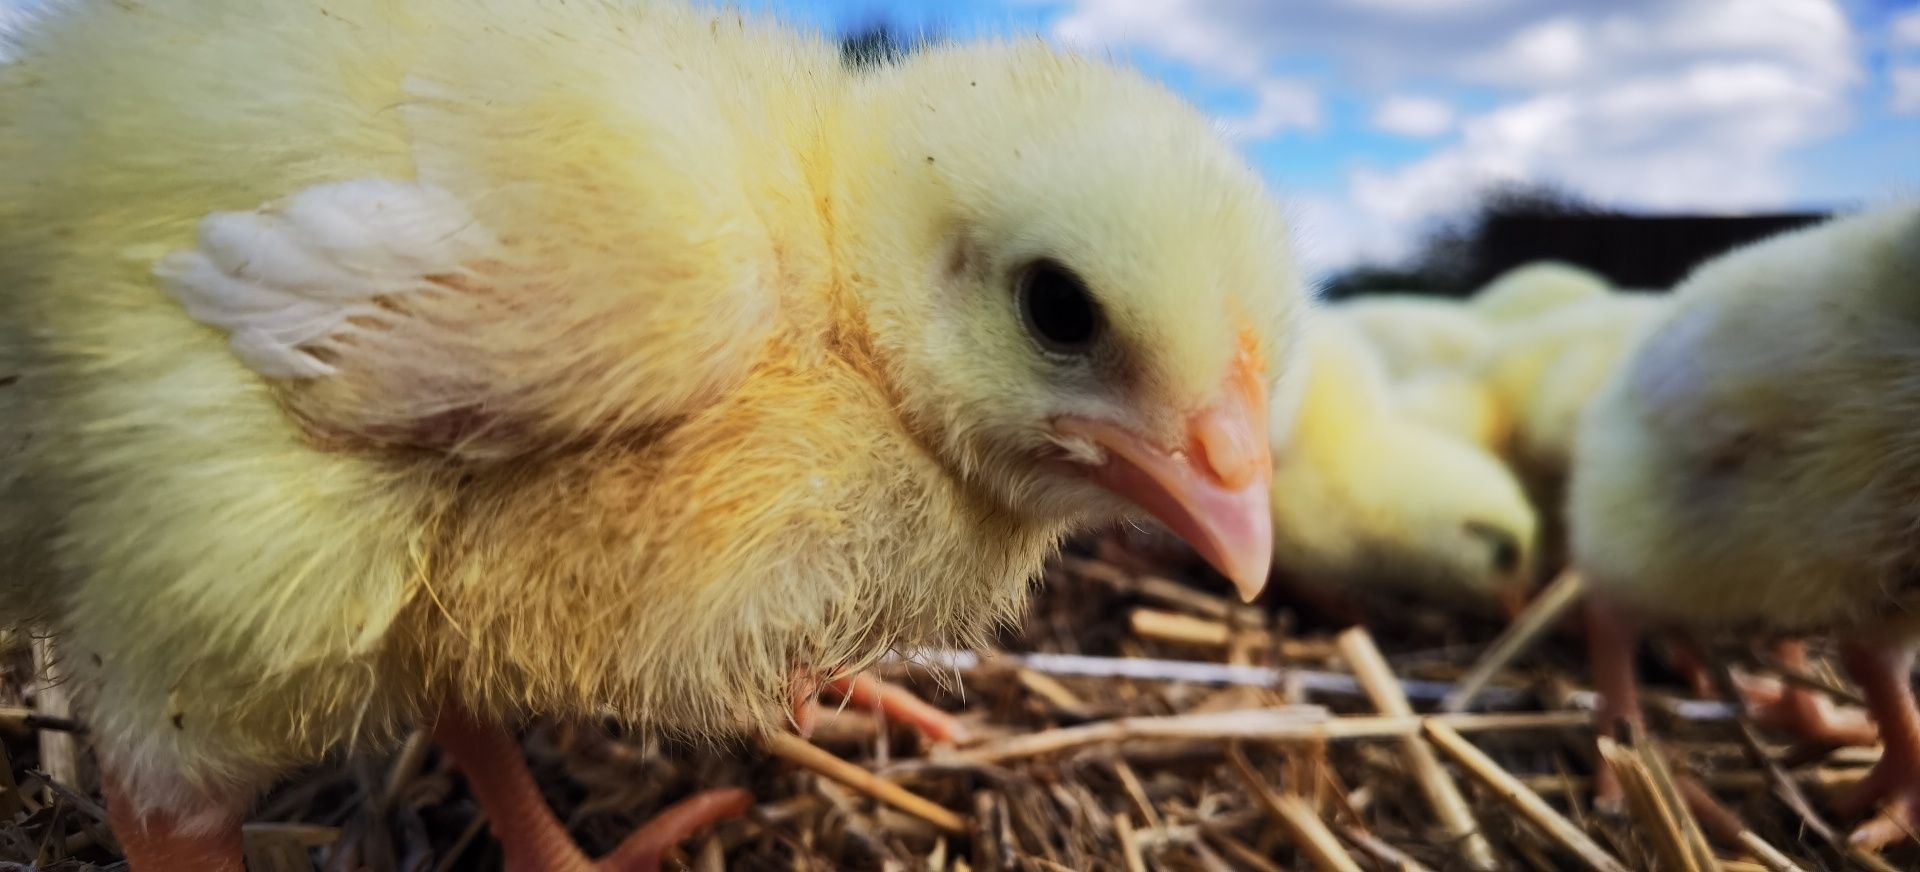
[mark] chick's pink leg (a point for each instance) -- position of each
(1611, 636)
(529, 834)
(643, 850)
(159, 843)
(901, 706)
(1802, 711)
(1884, 675)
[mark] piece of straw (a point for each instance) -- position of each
(59, 754)
(1652, 809)
(1310, 834)
(1529, 804)
(1129, 843)
(1546, 610)
(800, 752)
(1180, 629)
(1306, 723)
(1449, 806)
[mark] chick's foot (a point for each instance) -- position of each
(165, 843)
(1898, 822)
(532, 839)
(644, 849)
(1802, 711)
(1806, 714)
(900, 706)
(1894, 782)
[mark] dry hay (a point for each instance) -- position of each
(1271, 755)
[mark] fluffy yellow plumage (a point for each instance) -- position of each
(1459, 403)
(1533, 289)
(1754, 467)
(1748, 465)
(1366, 499)
(1418, 334)
(1545, 371)
(585, 355)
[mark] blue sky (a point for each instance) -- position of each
(1372, 118)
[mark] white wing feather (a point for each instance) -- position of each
(289, 277)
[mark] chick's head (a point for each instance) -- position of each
(1082, 297)
(1365, 497)
(1449, 518)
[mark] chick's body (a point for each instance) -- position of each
(1365, 499)
(296, 567)
(1754, 464)
(584, 355)
(1755, 469)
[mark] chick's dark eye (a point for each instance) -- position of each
(1057, 309)
(1503, 546)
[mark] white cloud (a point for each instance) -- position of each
(1278, 104)
(1905, 85)
(1173, 29)
(1416, 117)
(1616, 143)
(1426, 7)
(1209, 44)
(1906, 30)
(1330, 232)
(1680, 104)
(1550, 51)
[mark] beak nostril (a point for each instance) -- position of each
(1230, 438)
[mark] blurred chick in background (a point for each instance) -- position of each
(1518, 359)
(1545, 370)
(1458, 403)
(473, 362)
(1417, 334)
(1367, 501)
(1754, 468)
(1450, 359)
(1560, 334)
(1533, 289)
(1509, 368)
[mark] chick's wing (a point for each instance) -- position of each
(584, 277)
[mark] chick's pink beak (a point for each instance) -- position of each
(1212, 491)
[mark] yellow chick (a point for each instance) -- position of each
(510, 358)
(1365, 500)
(1417, 334)
(1534, 289)
(1543, 372)
(1754, 468)
(1457, 403)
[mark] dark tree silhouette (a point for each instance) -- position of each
(1372, 279)
(1453, 252)
(1512, 225)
